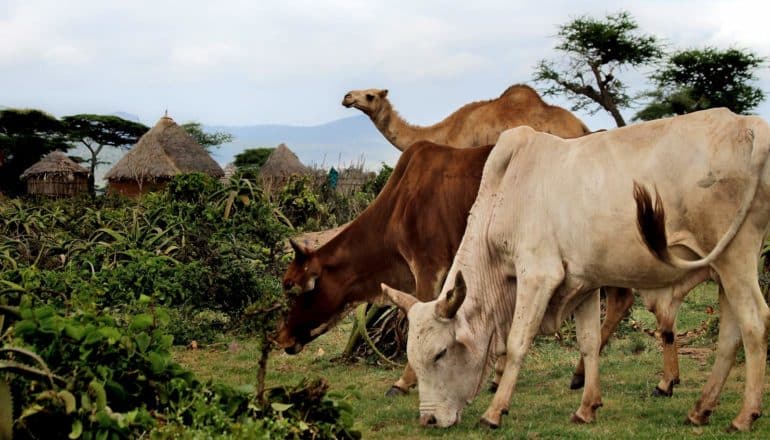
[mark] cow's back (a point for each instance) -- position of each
(579, 191)
(428, 198)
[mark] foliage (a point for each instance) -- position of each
(25, 137)
(105, 285)
(596, 51)
(698, 79)
(375, 185)
(96, 131)
(206, 140)
(250, 160)
(300, 202)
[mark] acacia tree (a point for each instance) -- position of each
(595, 51)
(25, 136)
(697, 79)
(96, 131)
(206, 140)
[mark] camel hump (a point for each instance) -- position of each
(520, 89)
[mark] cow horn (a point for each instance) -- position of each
(448, 307)
(299, 250)
(403, 300)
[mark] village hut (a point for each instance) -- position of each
(279, 167)
(163, 152)
(229, 170)
(56, 175)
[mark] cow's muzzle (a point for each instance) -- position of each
(294, 349)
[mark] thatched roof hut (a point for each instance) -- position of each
(279, 167)
(56, 175)
(163, 152)
(282, 163)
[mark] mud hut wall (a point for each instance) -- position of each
(57, 185)
(131, 188)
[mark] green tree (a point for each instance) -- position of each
(595, 51)
(697, 79)
(96, 131)
(25, 136)
(251, 159)
(206, 140)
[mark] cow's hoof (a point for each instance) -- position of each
(698, 420)
(487, 424)
(576, 419)
(578, 381)
(493, 387)
(395, 391)
(657, 392)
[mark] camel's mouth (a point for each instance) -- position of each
(348, 102)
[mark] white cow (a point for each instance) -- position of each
(554, 220)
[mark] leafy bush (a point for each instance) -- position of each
(104, 286)
(112, 381)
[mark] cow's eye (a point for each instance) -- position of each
(439, 355)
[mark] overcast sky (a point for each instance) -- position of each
(290, 62)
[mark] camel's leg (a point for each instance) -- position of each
(618, 301)
(427, 288)
(750, 314)
(534, 290)
(587, 318)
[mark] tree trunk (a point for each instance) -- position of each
(262, 369)
(617, 116)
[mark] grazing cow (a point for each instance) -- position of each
(553, 221)
(424, 204)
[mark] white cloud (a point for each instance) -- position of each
(245, 61)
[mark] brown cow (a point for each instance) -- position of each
(424, 205)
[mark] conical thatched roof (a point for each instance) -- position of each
(164, 151)
(54, 163)
(282, 162)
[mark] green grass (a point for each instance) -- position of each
(542, 403)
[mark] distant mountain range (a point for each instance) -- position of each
(343, 142)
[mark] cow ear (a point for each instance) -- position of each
(300, 252)
(403, 300)
(383, 93)
(447, 308)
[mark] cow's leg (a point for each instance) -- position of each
(587, 318)
(404, 383)
(727, 345)
(499, 368)
(533, 293)
(749, 309)
(427, 288)
(665, 306)
(617, 301)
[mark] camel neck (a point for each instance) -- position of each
(399, 132)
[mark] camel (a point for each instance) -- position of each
(472, 125)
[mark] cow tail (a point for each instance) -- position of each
(651, 221)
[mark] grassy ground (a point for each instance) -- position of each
(542, 402)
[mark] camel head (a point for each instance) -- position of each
(369, 101)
